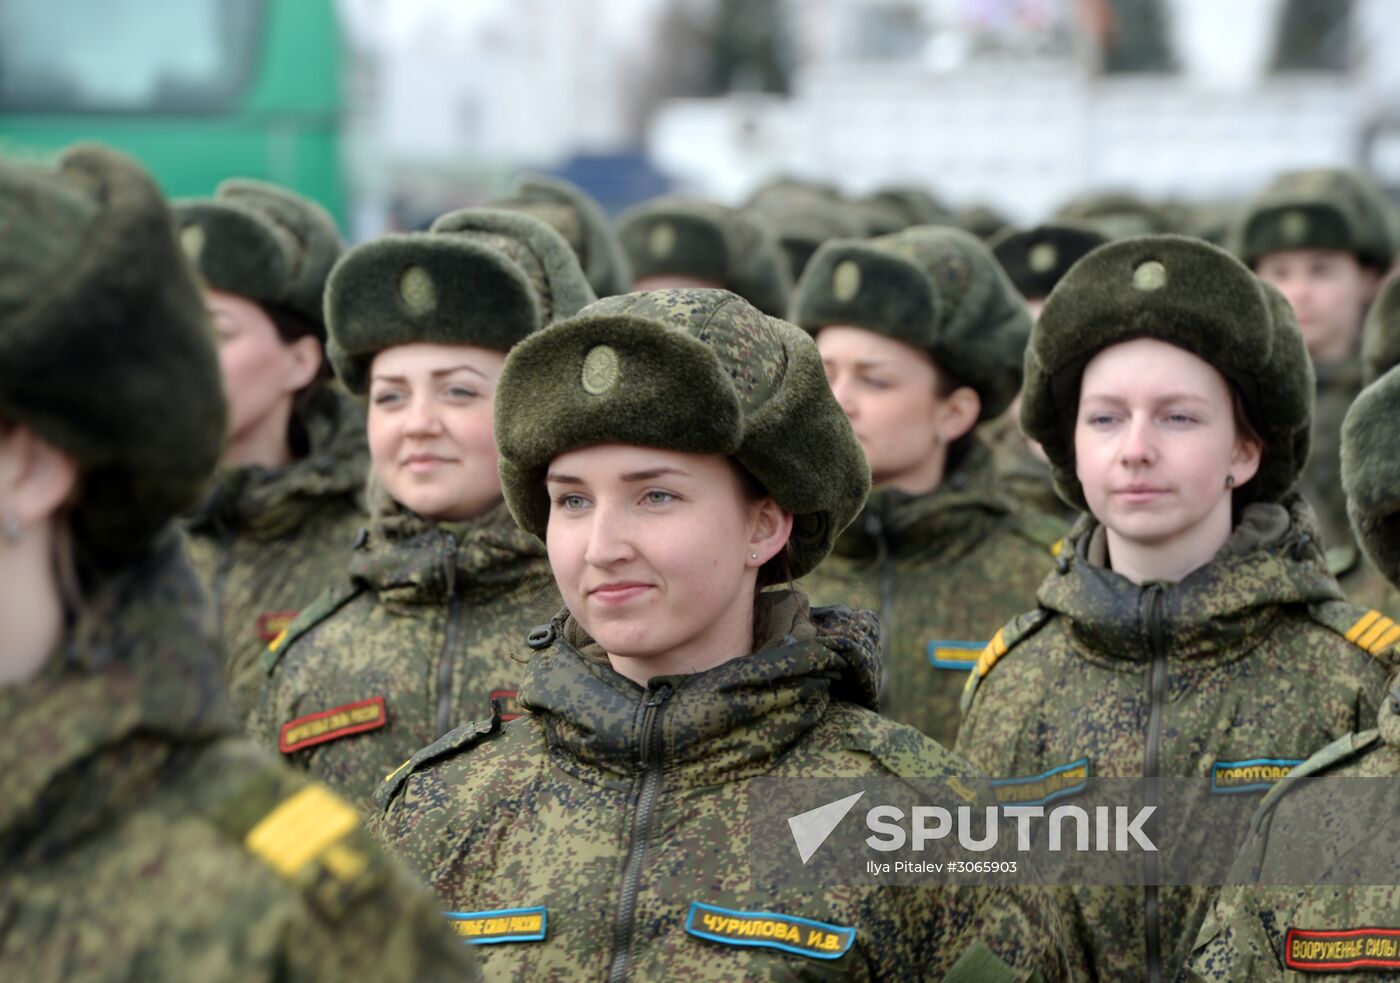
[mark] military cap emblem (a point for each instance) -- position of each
(1042, 257)
(662, 240)
(192, 241)
(600, 370)
(1150, 275)
(1293, 226)
(416, 289)
(845, 280)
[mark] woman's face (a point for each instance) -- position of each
(430, 437)
(1154, 443)
(656, 554)
(889, 392)
(261, 372)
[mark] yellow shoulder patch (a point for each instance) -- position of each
(277, 641)
(1373, 632)
(1057, 547)
(304, 828)
(995, 649)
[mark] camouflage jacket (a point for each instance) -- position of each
(1338, 384)
(1258, 931)
(419, 638)
(1025, 478)
(265, 542)
(943, 571)
(1247, 657)
(142, 839)
(637, 813)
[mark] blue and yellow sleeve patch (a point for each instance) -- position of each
(1250, 775)
(958, 656)
(769, 930)
(1037, 790)
(500, 925)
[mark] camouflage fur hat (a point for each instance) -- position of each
(1380, 337)
(482, 277)
(692, 370)
(105, 349)
(1190, 294)
(1117, 214)
(1036, 259)
(1318, 209)
(735, 248)
(261, 242)
(576, 216)
(938, 289)
(1371, 472)
(984, 222)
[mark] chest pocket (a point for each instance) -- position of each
(957, 656)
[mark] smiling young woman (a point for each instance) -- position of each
(417, 635)
(1191, 621)
(679, 452)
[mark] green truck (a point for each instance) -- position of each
(197, 90)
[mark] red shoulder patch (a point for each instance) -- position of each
(510, 703)
(273, 623)
(1342, 949)
(328, 725)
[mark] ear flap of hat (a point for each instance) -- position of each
(422, 287)
(604, 262)
(1380, 338)
(1371, 472)
(567, 287)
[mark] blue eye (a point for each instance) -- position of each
(572, 501)
(659, 497)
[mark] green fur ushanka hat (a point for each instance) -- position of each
(1371, 472)
(803, 221)
(482, 277)
(936, 288)
(734, 248)
(1116, 214)
(1036, 259)
(1190, 294)
(1380, 337)
(1325, 208)
(576, 216)
(261, 242)
(693, 370)
(105, 348)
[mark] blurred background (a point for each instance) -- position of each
(393, 111)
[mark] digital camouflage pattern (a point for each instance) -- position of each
(428, 621)
(1338, 384)
(636, 804)
(1243, 938)
(139, 834)
(944, 571)
(1025, 478)
(267, 541)
(1244, 658)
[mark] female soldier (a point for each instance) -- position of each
(274, 528)
(679, 450)
(1191, 626)
(1255, 931)
(140, 837)
(417, 636)
(921, 336)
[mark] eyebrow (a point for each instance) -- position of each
(437, 374)
(629, 477)
(1168, 398)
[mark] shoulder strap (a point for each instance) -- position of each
(1013, 633)
(464, 737)
(331, 600)
(1342, 749)
(1367, 629)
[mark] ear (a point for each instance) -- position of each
(36, 478)
(770, 527)
(304, 360)
(1245, 461)
(959, 412)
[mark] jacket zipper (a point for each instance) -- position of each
(875, 528)
(449, 641)
(1157, 684)
(650, 759)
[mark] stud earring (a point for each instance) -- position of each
(1229, 481)
(753, 556)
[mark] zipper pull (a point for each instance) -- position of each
(660, 696)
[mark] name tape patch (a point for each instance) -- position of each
(328, 725)
(1252, 775)
(768, 930)
(273, 623)
(501, 925)
(510, 702)
(1333, 950)
(1035, 790)
(958, 656)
